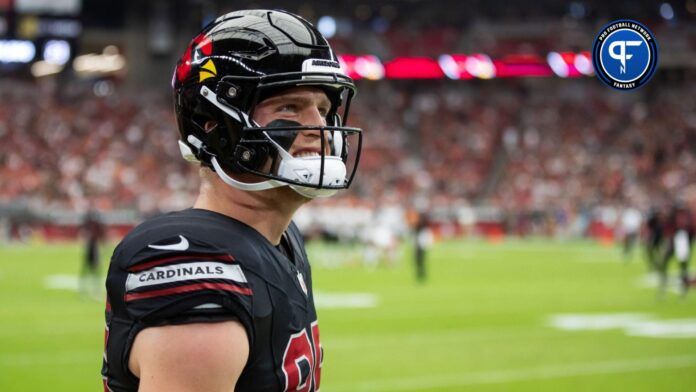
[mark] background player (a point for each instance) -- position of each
(631, 221)
(219, 297)
(423, 241)
(653, 237)
(93, 233)
(679, 236)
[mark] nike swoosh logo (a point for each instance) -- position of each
(182, 245)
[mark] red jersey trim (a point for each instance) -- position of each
(187, 289)
(189, 257)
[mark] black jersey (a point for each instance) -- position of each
(201, 266)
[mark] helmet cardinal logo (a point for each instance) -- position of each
(201, 46)
(207, 71)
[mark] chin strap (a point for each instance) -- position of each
(246, 186)
(305, 191)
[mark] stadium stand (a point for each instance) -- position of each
(550, 149)
(550, 155)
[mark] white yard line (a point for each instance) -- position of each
(633, 324)
(526, 374)
(665, 329)
(62, 282)
(596, 321)
(326, 300)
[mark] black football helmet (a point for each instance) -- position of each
(237, 61)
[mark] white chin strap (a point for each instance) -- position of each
(302, 169)
(246, 186)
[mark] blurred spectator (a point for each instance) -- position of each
(546, 154)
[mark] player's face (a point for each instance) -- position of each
(305, 105)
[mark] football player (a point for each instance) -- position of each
(219, 297)
(93, 231)
(631, 221)
(653, 238)
(423, 241)
(679, 236)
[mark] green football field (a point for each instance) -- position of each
(533, 315)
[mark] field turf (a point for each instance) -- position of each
(483, 321)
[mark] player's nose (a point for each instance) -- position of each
(311, 116)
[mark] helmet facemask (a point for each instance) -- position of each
(266, 151)
(236, 62)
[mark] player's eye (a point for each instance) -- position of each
(287, 108)
(324, 111)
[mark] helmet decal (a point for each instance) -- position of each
(199, 47)
(207, 71)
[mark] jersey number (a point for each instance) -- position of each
(302, 361)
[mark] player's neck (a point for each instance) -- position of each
(268, 212)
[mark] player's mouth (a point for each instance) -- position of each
(306, 152)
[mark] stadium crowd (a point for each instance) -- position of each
(551, 145)
(68, 151)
